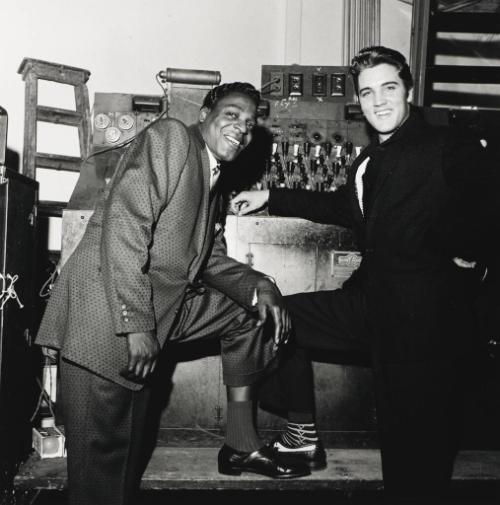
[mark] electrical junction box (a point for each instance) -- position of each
(118, 117)
(49, 442)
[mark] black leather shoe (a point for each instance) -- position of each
(312, 455)
(264, 462)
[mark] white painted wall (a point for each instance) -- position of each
(395, 21)
(124, 43)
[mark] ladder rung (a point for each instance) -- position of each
(59, 116)
(464, 74)
(470, 22)
(58, 162)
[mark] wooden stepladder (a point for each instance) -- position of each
(32, 71)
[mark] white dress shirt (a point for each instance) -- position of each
(359, 182)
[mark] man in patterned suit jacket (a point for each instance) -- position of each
(152, 269)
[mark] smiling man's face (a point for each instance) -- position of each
(227, 128)
(384, 99)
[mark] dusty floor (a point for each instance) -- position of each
(189, 474)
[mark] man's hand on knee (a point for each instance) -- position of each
(270, 300)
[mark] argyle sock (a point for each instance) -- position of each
(240, 432)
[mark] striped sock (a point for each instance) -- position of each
(299, 435)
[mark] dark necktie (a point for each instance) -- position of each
(214, 176)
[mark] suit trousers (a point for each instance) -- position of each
(418, 403)
(105, 422)
(246, 350)
(104, 427)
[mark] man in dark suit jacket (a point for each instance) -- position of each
(416, 201)
(152, 269)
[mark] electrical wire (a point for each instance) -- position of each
(43, 396)
(35, 496)
(47, 286)
(207, 432)
(267, 84)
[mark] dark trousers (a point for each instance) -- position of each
(417, 403)
(105, 422)
(246, 350)
(104, 428)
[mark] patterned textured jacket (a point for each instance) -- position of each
(152, 233)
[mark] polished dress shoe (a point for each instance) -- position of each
(313, 455)
(263, 461)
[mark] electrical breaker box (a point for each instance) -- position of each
(18, 356)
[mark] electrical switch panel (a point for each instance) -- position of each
(308, 83)
(314, 131)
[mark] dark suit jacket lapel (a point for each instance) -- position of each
(203, 157)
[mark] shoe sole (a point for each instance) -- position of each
(297, 459)
(235, 471)
(316, 465)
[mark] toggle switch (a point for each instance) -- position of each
(318, 84)
(295, 84)
(276, 88)
(337, 85)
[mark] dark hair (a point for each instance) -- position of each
(244, 88)
(375, 55)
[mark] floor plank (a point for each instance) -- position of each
(195, 468)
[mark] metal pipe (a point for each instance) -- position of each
(185, 76)
(3, 135)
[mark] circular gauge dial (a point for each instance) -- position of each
(101, 121)
(112, 134)
(126, 121)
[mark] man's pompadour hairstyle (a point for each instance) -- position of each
(372, 56)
